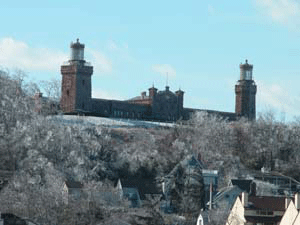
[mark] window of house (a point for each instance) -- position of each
(68, 93)
(264, 212)
(83, 82)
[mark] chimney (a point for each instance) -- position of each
(252, 189)
(152, 91)
(210, 196)
(179, 92)
(38, 102)
(297, 201)
(244, 199)
(143, 94)
(287, 202)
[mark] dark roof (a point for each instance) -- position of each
(166, 92)
(11, 219)
(267, 202)
(144, 185)
(74, 184)
(139, 98)
(262, 219)
(244, 185)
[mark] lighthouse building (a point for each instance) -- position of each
(164, 105)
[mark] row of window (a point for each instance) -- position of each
(124, 114)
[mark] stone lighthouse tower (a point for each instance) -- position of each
(245, 91)
(76, 82)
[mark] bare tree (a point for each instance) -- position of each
(52, 88)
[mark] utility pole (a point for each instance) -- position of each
(210, 196)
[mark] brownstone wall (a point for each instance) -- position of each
(76, 87)
(68, 95)
(245, 99)
(122, 109)
(165, 106)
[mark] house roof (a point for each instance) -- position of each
(244, 185)
(73, 184)
(297, 220)
(144, 185)
(10, 218)
(139, 98)
(166, 92)
(267, 202)
(225, 193)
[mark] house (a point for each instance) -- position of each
(72, 189)
(210, 179)
(252, 210)
(226, 197)
(11, 219)
(292, 213)
(245, 185)
(138, 189)
(203, 218)
(284, 184)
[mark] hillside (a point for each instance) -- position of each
(107, 122)
(44, 151)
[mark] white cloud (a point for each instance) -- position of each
(121, 51)
(281, 11)
(278, 98)
(100, 61)
(18, 54)
(106, 94)
(14, 53)
(164, 69)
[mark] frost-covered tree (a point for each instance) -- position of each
(52, 88)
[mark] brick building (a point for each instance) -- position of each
(254, 210)
(158, 105)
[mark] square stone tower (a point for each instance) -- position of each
(245, 91)
(76, 82)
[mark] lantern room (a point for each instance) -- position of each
(77, 51)
(246, 71)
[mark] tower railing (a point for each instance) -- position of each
(68, 63)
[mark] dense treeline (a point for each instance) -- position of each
(44, 153)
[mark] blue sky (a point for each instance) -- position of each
(133, 44)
